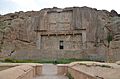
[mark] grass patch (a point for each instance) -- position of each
(57, 61)
(9, 60)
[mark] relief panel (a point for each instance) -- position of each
(70, 42)
(60, 21)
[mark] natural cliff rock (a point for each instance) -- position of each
(18, 30)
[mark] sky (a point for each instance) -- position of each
(11, 6)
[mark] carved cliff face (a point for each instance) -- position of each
(19, 30)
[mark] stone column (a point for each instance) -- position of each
(38, 42)
(77, 18)
(84, 38)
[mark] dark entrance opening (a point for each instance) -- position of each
(61, 46)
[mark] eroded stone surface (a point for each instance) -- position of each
(80, 28)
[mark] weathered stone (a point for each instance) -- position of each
(79, 28)
(114, 13)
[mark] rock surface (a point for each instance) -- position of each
(18, 30)
(99, 70)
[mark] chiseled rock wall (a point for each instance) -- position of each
(18, 30)
(114, 51)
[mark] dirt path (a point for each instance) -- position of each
(50, 72)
